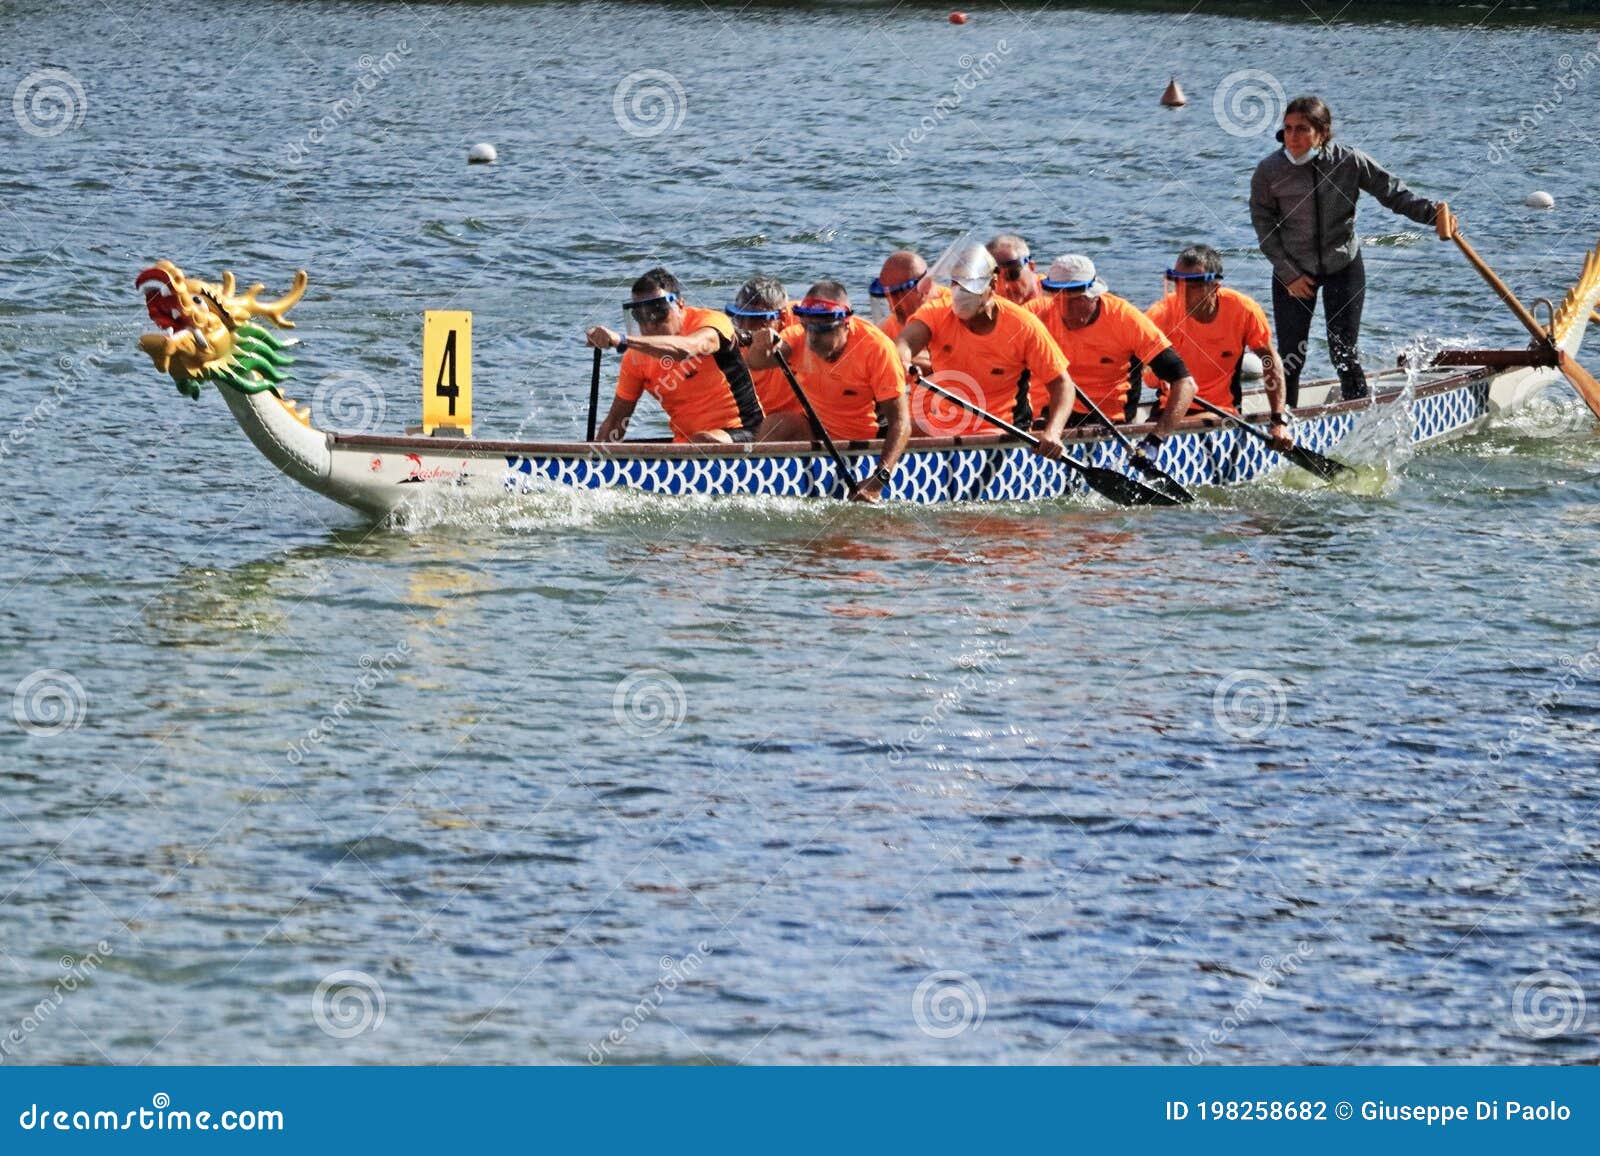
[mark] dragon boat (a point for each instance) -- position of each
(211, 332)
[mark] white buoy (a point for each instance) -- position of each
(481, 154)
(1250, 367)
(1540, 200)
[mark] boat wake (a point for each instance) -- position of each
(557, 507)
(572, 508)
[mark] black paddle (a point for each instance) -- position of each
(1119, 488)
(1309, 460)
(816, 425)
(1141, 463)
(594, 394)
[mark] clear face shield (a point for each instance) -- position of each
(1191, 287)
(972, 280)
(647, 314)
(1075, 299)
(1016, 278)
(749, 320)
(884, 296)
(824, 322)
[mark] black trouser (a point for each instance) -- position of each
(1343, 294)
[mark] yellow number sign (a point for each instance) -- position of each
(446, 371)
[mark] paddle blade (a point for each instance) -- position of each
(1583, 381)
(1163, 480)
(1122, 489)
(1312, 462)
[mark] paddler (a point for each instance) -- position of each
(1109, 344)
(687, 357)
(762, 304)
(851, 375)
(1019, 280)
(989, 351)
(901, 288)
(1212, 327)
(1303, 207)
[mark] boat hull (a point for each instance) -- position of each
(385, 475)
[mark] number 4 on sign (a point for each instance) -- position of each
(446, 373)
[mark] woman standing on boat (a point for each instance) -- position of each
(1303, 207)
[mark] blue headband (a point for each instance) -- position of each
(879, 289)
(764, 314)
(1174, 275)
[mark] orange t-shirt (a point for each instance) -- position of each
(1102, 353)
(994, 362)
(938, 295)
(772, 390)
(1211, 349)
(698, 393)
(845, 393)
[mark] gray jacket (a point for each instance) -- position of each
(1305, 215)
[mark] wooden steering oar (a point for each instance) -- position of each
(816, 424)
(1119, 488)
(1141, 463)
(1582, 380)
(1309, 460)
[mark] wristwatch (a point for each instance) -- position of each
(1280, 417)
(622, 344)
(881, 476)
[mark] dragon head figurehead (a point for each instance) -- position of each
(208, 331)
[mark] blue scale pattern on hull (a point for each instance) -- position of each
(1212, 457)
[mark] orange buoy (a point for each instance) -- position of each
(1173, 97)
(958, 17)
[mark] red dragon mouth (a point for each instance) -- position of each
(161, 300)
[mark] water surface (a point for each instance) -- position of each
(1294, 775)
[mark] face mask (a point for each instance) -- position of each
(1311, 155)
(966, 304)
